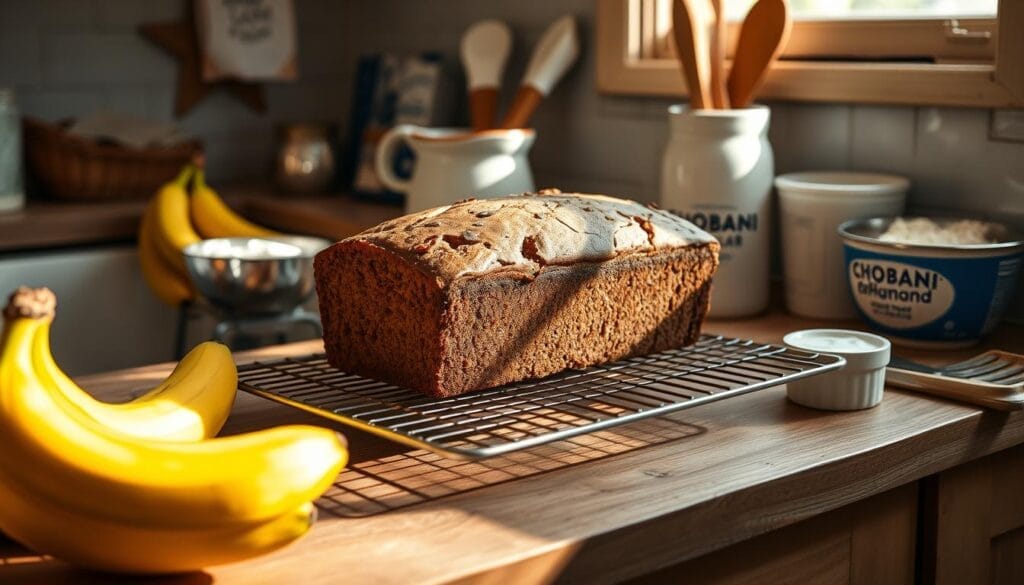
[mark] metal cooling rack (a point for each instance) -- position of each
(526, 414)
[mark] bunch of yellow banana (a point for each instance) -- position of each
(173, 220)
(78, 483)
(190, 405)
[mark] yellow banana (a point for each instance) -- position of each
(169, 285)
(102, 544)
(214, 219)
(84, 466)
(172, 227)
(190, 405)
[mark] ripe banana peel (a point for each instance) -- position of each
(99, 543)
(170, 285)
(172, 227)
(214, 219)
(190, 405)
(74, 488)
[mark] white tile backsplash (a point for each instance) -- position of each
(107, 58)
(20, 58)
(822, 131)
(882, 138)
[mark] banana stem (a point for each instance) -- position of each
(183, 177)
(199, 180)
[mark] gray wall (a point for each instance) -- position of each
(70, 57)
(67, 57)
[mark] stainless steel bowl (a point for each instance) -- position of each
(254, 276)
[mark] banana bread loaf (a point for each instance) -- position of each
(486, 292)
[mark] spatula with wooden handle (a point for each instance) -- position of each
(718, 93)
(691, 30)
(763, 35)
(555, 52)
(484, 50)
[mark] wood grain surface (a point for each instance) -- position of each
(727, 472)
(48, 225)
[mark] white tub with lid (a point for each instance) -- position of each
(857, 385)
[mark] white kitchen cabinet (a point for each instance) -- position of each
(106, 316)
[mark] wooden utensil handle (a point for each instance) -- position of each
(526, 102)
(718, 93)
(483, 108)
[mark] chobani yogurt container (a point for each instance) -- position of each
(934, 295)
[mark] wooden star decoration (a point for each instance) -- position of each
(179, 39)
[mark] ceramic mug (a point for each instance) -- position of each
(453, 164)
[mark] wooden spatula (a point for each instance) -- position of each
(718, 93)
(691, 22)
(762, 37)
(484, 50)
(556, 51)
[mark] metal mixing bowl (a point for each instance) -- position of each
(254, 276)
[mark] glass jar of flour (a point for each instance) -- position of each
(12, 194)
(717, 172)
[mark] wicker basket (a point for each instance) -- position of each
(77, 168)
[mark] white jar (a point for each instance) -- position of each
(717, 172)
(811, 207)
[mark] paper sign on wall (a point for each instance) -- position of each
(251, 40)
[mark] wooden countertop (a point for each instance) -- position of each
(601, 507)
(47, 225)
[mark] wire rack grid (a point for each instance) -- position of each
(534, 412)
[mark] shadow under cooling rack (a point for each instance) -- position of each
(415, 477)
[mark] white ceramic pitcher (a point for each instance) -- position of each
(452, 164)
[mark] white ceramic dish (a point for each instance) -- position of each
(857, 385)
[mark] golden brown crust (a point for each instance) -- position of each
(31, 303)
(528, 232)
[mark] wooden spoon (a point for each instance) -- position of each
(762, 36)
(484, 50)
(718, 94)
(691, 22)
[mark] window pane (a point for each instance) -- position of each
(863, 9)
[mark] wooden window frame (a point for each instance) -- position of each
(623, 69)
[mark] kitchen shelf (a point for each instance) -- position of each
(526, 414)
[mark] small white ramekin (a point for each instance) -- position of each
(857, 385)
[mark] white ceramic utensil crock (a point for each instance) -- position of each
(452, 164)
(717, 172)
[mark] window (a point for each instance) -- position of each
(944, 52)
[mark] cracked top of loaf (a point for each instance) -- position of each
(524, 233)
